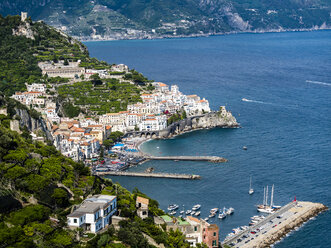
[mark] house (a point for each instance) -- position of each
(210, 234)
(94, 214)
(195, 230)
(142, 207)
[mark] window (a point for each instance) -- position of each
(214, 234)
(195, 228)
(75, 220)
(214, 243)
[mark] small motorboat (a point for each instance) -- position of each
(212, 215)
(197, 213)
(192, 212)
(188, 212)
(245, 148)
(172, 207)
(230, 211)
(214, 210)
(196, 207)
(221, 215)
(206, 219)
(181, 212)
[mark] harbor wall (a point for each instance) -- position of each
(304, 211)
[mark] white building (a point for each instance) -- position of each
(94, 214)
(36, 87)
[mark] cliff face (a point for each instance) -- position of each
(31, 123)
(220, 118)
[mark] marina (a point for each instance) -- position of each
(270, 229)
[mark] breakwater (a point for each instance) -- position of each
(143, 174)
(214, 159)
(274, 227)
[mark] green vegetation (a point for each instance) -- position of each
(112, 138)
(136, 77)
(99, 98)
(84, 19)
(34, 205)
(177, 117)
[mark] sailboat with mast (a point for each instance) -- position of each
(251, 190)
(265, 208)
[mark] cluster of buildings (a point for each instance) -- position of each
(97, 212)
(74, 70)
(79, 138)
(152, 113)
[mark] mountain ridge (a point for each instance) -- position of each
(133, 19)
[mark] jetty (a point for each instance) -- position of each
(275, 226)
(213, 159)
(146, 174)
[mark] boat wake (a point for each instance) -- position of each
(254, 101)
(317, 82)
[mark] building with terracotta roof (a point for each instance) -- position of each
(142, 207)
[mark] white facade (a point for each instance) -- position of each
(94, 214)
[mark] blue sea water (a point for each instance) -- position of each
(286, 124)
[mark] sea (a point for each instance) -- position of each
(278, 86)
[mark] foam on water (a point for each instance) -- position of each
(318, 82)
(254, 101)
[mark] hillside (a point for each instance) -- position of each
(39, 187)
(125, 19)
(24, 44)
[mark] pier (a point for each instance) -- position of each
(213, 159)
(276, 225)
(144, 174)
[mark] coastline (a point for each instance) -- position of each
(141, 142)
(206, 35)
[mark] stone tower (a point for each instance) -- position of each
(24, 16)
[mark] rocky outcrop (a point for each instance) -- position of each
(221, 118)
(24, 30)
(31, 123)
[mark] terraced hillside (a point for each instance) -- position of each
(125, 19)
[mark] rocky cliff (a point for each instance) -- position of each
(32, 123)
(221, 118)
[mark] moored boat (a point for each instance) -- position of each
(197, 213)
(196, 207)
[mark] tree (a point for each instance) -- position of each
(65, 62)
(108, 143)
(61, 197)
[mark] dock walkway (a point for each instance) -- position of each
(214, 159)
(144, 174)
(275, 226)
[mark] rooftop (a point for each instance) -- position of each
(142, 200)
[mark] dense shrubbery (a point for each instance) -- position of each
(177, 117)
(109, 96)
